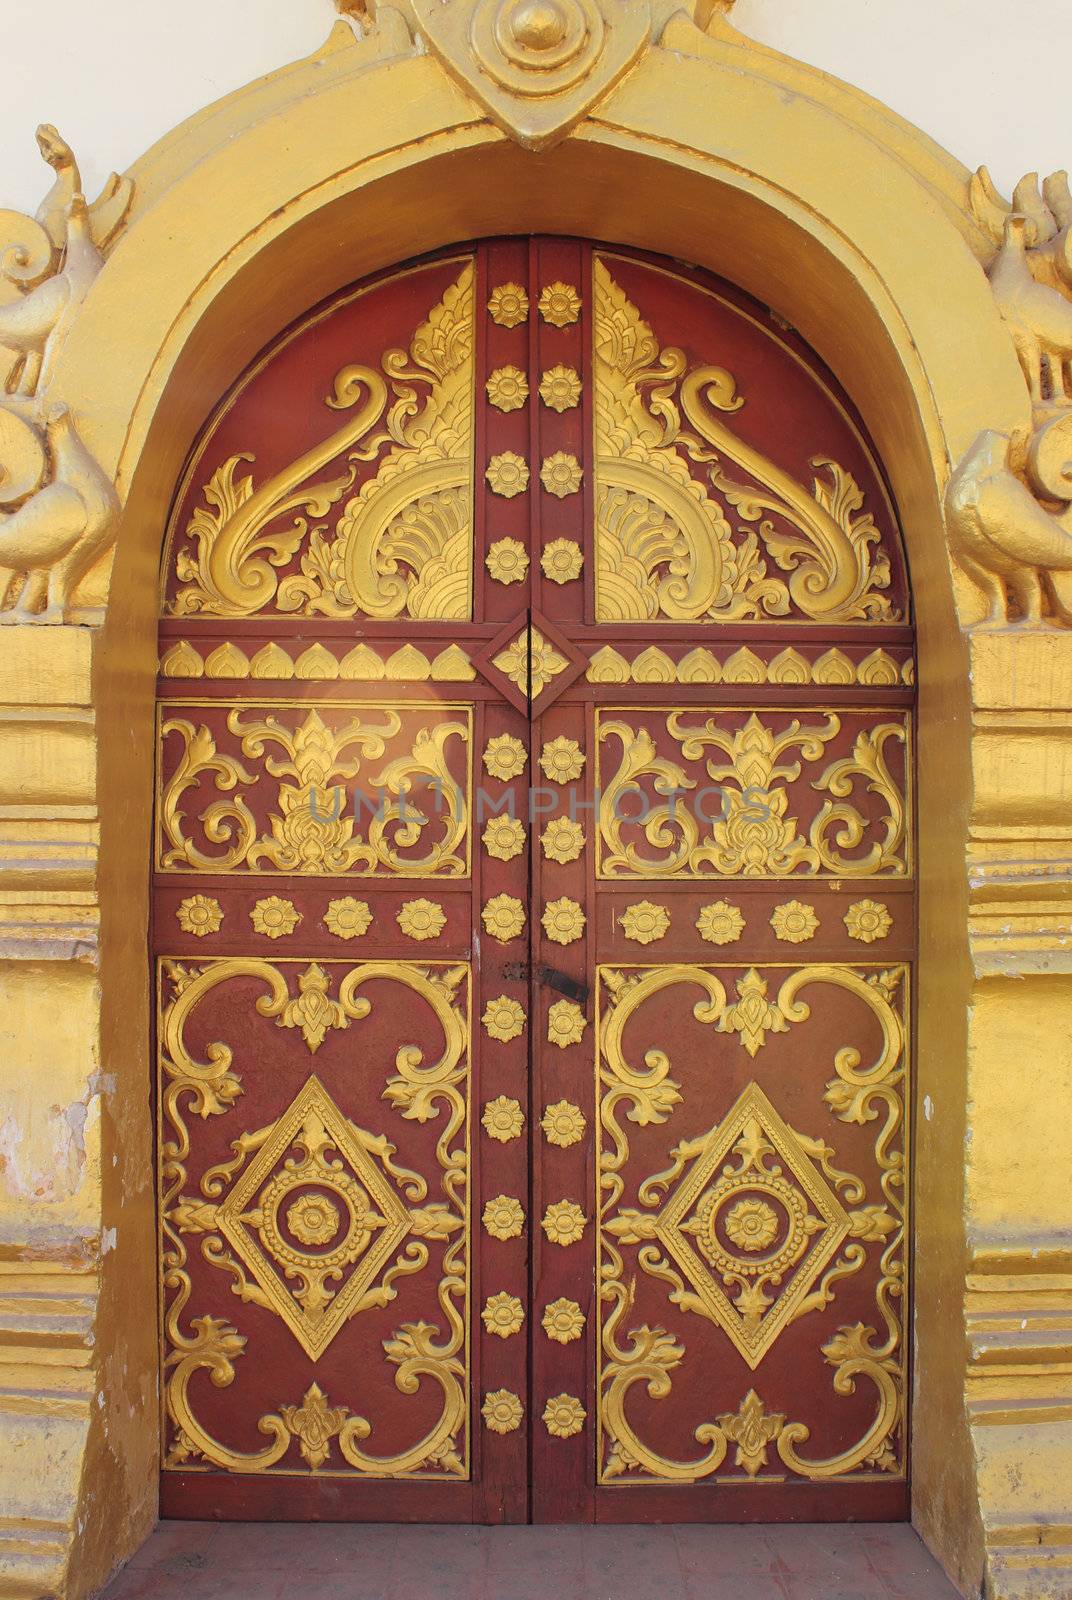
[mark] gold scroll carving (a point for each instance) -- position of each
(753, 836)
(402, 544)
(731, 1174)
(334, 1183)
(665, 544)
(311, 832)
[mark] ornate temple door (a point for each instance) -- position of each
(534, 916)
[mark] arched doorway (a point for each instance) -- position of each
(534, 914)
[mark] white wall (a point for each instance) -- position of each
(989, 79)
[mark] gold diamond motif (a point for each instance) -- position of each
(312, 1289)
(530, 661)
(752, 1173)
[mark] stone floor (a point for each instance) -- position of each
(345, 1561)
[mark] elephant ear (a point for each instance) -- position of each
(23, 458)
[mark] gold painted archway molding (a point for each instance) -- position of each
(674, 133)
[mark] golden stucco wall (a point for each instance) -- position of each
(855, 228)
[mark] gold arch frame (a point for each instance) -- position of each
(854, 227)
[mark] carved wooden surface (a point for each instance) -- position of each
(535, 875)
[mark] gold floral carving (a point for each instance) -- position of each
(508, 305)
(503, 1118)
(563, 1416)
(314, 1424)
(402, 544)
(504, 757)
(421, 919)
(562, 561)
(502, 1411)
(560, 388)
(348, 918)
(644, 922)
(507, 474)
(664, 543)
(504, 837)
(530, 661)
(753, 836)
(563, 1321)
(503, 1019)
(564, 1222)
(563, 920)
(508, 388)
(794, 922)
(274, 917)
(503, 1217)
(199, 914)
(868, 920)
(502, 1315)
(560, 474)
(356, 1220)
(507, 561)
(562, 839)
(565, 1023)
(503, 917)
(559, 304)
(562, 760)
(310, 832)
(563, 1124)
(704, 1227)
(720, 923)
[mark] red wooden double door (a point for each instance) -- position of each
(534, 915)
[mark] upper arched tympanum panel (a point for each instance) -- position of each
(368, 461)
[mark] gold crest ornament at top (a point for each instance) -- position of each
(537, 66)
(402, 544)
(668, 542)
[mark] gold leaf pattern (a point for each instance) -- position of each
(503, 1217)
(504, 1019)
(530, 661)
(421, 919)
(563, 920)
(503, 1118)
(199, 914)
